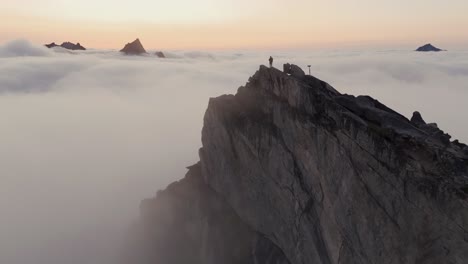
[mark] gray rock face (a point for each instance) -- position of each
(428, 47)
(292, 171)
(190, 223)
(134, 48)
(417, 119)
(431, 129)
(293, 70)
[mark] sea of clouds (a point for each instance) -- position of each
(86, 135)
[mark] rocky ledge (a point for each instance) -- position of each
(292, 171)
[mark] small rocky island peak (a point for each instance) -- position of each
(134, 48)
(428, 47)
(67, 45)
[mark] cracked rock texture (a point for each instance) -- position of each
(292, 171)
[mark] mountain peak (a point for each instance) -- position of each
(134, 48)
(72, 46)
(291, 171)
(428, 47)
(66, 45)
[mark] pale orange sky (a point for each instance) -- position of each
(210, 24)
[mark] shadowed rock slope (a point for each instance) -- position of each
(134, 48)
(292, 171)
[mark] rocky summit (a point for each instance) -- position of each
(293, 172)
(134, 48)
(72, 46)
(66, 45)
(428, 47)
(51, 45)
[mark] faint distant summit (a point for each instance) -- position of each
(67, 45)
(134, 48)
(51, 45)
(160, 54)
(428, 47)
(71, 46)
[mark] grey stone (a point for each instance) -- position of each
(293, 70)
(417, 119)
(292, 171)
(190, 223)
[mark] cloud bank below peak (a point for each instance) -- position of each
(87, 135)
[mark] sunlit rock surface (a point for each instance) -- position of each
(292, 171)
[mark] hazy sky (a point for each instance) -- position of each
(237, 23)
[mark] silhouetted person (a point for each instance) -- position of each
(271, 61)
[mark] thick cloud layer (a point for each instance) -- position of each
(87, 135)
(19, 48)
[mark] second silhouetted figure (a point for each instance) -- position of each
(271, 61)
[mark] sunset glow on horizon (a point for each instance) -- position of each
(210, 24)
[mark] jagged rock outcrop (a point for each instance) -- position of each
(72, 46)
(292, 171)
(431, 129)
(294, 70)
(417, 119)
(428, 47)
(51, 45)
(67, 45)
(134, 48)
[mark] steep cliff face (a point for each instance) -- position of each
(292, 171)
(190, 223)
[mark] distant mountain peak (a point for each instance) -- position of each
(428, 47)
(71, 46)
(134, 48)
(67, 45)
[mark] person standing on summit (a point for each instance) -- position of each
(271, 61)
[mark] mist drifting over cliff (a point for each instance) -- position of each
(87, 135)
